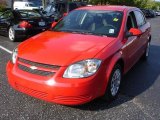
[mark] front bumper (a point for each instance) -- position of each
(67, 93)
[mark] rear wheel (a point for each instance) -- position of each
(112, 90)
(146, 54)
(11, 34)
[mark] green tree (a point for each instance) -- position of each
(3, 4)
(137, 3)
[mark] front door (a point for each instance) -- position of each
(132, 42)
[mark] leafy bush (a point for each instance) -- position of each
(3, 5)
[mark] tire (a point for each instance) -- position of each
(114, 84)
(11, 34)
(146, 54)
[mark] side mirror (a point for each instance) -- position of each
(65, 14)
(133, 32)
(54, 24)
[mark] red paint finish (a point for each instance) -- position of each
(64, 49)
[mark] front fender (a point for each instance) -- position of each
(110, 65)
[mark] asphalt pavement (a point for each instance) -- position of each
(139, 98)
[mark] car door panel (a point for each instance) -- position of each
(3, 25)
(143, 40)
(5, 21)
(144, 27)
(131, 51)
(131, 42)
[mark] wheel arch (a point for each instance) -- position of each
(116, 59)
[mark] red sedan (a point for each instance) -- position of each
(82, 57)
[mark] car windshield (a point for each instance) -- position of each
(29, 14)
(105, 23)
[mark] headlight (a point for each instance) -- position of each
(14, 55)
(82, 69)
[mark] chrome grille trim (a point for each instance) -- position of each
(36, 71)
(53, 67)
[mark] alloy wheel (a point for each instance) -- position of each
(11, 34)
(115, 82)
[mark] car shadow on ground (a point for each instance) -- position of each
(139, 79)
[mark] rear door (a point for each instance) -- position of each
(144, 26)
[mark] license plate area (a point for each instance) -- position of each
(41, 23)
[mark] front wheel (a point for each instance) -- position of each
(112, 90)
(11, 34)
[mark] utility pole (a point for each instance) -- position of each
(12, 2)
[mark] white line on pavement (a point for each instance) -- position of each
(5, 49)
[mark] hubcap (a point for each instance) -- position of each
(115, 82)
(11, 34)
(147, 50)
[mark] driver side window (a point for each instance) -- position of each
(131, 21)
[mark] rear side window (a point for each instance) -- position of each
(140, 18)
(29, 14)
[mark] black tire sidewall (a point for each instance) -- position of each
(108, 96)
(144, 57)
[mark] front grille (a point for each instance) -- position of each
(41, 69)
(37, 72)
(38, 64)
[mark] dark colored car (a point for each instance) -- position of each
(22, 23)
(58, 9)
(152, 13)
(149, 13)
(145, 12)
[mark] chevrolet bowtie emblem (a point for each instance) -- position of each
(33, 67)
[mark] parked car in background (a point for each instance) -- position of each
(149, 13)
(158, 13)
(22, 23)
(37, 3)
(20, 5)
(145, 12)
(83, 56)
(58, 9)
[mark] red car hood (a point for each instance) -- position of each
(60, 48)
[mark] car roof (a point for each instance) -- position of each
(107, 7)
